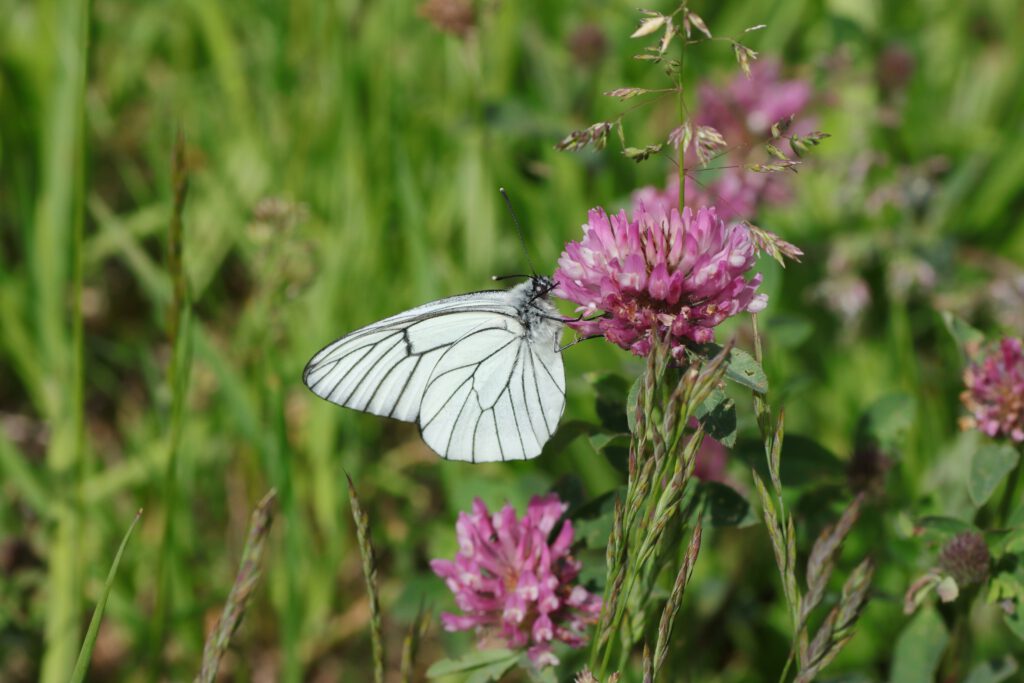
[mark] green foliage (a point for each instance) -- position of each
(89, 644)
(742, 368)
(993, 671)
(475, 667)
(989, 467)
(343, 163)
(724, 506)
(919, 649)
(717, 415)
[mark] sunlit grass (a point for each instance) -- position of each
(386, 141)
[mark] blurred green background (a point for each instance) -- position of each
(344, 161)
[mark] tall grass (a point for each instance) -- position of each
(56, 284)
(388, 141)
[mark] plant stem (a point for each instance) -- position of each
(1009, 493)
(682, 121)
(59, 223)
(246, 581)
(178, 332)
(789, 663)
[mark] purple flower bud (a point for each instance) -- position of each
(456, 17)
(588, 45)
(966, 558)
(867, 469)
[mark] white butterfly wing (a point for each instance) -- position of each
(496, 394)
(465, 368)
(383, 368)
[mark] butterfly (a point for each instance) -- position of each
(480, 374)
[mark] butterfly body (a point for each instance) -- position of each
(479, 373)
(539, 316)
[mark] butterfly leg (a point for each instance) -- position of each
(577, 319)
(576, 341)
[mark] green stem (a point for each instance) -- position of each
(682, 121)
(1009, 493)
(178, 332)
(785, 669)
(59, 216)
(958, 651)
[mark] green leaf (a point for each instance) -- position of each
(788, 330)
(943, 527)
(963, 334)
(615, 447)
(568, 432)
(28, 481)
(1015, 621)
(85, 654)
(725, 506)
(1007, 585)
(1013, 542)
(744, 370)
(1017, 516)
(486, 674)
(479, 666)
(990, 465)
(545, 675)
(993, 671)
(595, 531)
(612, 392)
(919, 649)
(718, 416)
(741, 367)
(631, 400)
(804, 461)
(887, 420)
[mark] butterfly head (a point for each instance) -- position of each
(542, 285)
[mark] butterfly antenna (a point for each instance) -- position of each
(519, 229)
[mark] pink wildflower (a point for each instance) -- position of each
(515, 584)
(995, 391)
(712, 459)
(743, 112)
(660, 272)
(745, 109)
(735, 194)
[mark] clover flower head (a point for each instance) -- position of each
(749, 106)
(743, 112)
(515, 581)
(994, 391)
(711, 460)
(734, 195)
(457, 17)
(662, 273)
(966, 558)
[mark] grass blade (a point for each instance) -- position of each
(370, 572)
(241, 591)
(411, 644)
(85, 654)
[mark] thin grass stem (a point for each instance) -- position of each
(362, 522)
(89, 644)
(59, 228)
(246, 581)
(178, 331)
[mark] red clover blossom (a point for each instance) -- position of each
(743, 111)
(516, 583)
(995, 391)
(659, 273)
